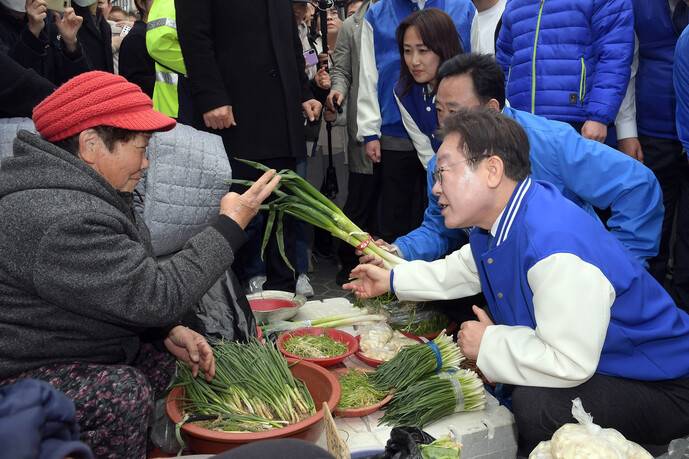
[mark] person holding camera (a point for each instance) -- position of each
(37, 37)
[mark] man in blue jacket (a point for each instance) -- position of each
(573, 315)
(658, 24)
(378, 117)
(568, 60)
(588, 173)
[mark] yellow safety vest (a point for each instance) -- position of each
(163, 46)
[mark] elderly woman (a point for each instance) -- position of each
(83, 302)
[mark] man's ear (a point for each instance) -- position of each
(493, 104)
(88, 146)
(495, 171)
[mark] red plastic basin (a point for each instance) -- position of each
(321, 384)
(338, 335)
(270, 304)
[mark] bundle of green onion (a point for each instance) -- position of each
(414, 363)
(358, 391)
(253, 390)
(341, 320)
(300, 199)
(314, 347)
(434, 398)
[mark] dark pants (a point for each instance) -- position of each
(650, 413)
(114, 403)
(360, 207)
(669, 164)
(402, 199)
(279, 275)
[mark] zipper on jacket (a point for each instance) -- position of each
(533, 59)
(582, 82)
(509, 74)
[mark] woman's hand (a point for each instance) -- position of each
(68, 25)
(322, 79)
(193, 349)
(36, 12)
(242, 208)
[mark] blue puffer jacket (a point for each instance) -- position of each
(655, 98)
(580, 52)
(38, 422)
(581, 170)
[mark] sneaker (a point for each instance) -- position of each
(256, 284)
(304, 286)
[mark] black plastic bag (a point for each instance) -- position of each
(224, 312)
(403, 444)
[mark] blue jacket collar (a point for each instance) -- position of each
(511, 211)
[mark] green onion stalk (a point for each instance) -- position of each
(416, 362)
(253, 389)
(298, 198)
(434, 398)
(342, 320)
(358, 391)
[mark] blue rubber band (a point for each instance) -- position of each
(438, 356)
(392, 281)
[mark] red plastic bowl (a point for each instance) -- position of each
(364, 410)
(270, 304)
(321, 384)
(375, 362)
(351, 343)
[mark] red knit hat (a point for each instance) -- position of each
(97, 99)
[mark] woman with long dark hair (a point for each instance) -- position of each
(425, 39)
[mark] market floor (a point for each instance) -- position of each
(323, 279)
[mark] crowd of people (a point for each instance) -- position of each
(527, 158)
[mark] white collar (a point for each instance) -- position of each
(504, 222)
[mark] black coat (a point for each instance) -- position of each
(20, 89)
(95, 37)
(45, 54)
(247, 54)
(135, 63)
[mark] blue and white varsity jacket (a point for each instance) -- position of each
(588, 173)
(379, 69)
(567, 300)
(420, 119)
(681, 82)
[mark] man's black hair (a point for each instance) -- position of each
(486, 74)
(485, 133)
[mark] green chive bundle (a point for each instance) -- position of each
(358, 391)
(253, 389)
(300, 199)
(414, 363)
(314, 347)
(434, 398)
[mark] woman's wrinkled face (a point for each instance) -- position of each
(420, 60)
(123, 166)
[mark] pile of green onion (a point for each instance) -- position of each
(358, 391)
(414, 363)
(314, 347)
(300, 199)
(434, 398)
(253, 390)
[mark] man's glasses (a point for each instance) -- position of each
(438, 172)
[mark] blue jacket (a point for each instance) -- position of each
(647, 337)
(384, 17)
(588, 173)
(681, 80)
(38, 422)
(655, 98)
(580, 52)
